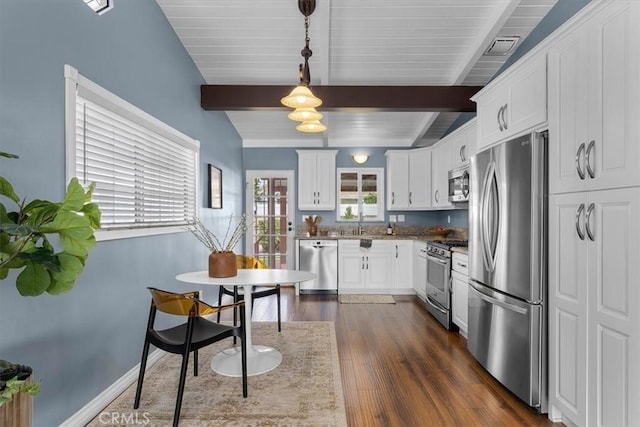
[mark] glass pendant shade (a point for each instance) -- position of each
(305, 115)
(301, 97)
(313, 126)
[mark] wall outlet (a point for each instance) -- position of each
(400, 218)
(392, 218)
(448, 219)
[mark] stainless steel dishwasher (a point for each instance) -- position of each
(319, 257)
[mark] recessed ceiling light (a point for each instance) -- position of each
(100, 6)
(502, 46)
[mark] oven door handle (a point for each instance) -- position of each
(432, 304)
(438, 260)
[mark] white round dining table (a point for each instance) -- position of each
(260, 358)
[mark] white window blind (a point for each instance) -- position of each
(145, 177)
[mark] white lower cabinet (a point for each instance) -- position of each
(402, 253)
(594, 307)
(460, 290)
(420, 269)
(365, 269)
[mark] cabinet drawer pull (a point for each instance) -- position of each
(592, 146)
(578, 156)
(410, 194)
(504, 120)
(578, 214)
(498, 117)
(587, 222)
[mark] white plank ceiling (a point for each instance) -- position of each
(354, 42)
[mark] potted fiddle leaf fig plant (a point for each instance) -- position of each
(25, 233)
(44, 264)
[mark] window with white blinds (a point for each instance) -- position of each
(145, 172)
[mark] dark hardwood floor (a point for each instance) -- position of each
(400, 367)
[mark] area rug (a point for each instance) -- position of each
(366, 299)
(305, 390)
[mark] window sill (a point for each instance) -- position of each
(103, 235)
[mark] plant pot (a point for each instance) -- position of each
(222, 264)
(313, 230)
(18, 412)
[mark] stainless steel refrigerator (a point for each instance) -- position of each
(507, 330)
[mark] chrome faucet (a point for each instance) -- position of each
(360, 229)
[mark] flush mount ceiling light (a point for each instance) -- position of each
(100, 6)
(301, 96)
(360, 158)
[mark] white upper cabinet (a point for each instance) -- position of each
(442, 159)
(317, 179)
(408, 179)
(513, 103)
(420, 178)
(594, 111)
(463, 146)
(397, 179)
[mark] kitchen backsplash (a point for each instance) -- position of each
(380, 230)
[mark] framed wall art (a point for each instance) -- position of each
(215, 187)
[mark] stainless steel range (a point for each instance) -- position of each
(439, 279)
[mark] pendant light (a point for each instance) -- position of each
(312, 126)
(305, 115)
(301, 98)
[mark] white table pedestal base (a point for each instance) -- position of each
(260, 359)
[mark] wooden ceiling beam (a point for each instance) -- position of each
(343, 98)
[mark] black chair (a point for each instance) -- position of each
(188, 337)
(245, 261)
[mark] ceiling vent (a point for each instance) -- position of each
(502, 46)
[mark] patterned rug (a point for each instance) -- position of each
(305, 390)
(366, 299)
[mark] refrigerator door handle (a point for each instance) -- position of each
(495, 301)
(490, 218)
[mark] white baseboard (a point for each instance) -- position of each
(94, 407)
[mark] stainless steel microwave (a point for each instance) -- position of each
(459, 184)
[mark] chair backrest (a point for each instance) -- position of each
(246, 261)
(186, 304)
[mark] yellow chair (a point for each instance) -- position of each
(188, 337)
(245, 261)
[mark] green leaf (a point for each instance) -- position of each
(74, 200)
(76, 234)
(40, 212)
(70, 268)
(44, 257)
(18, 230)
(93, 214)
(3, 214)
(6, 190)
(33, 280)
(4, 272)
(8, 155)
(89, 193)
(77, 247)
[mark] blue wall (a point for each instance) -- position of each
(79, 343)
(287, 159)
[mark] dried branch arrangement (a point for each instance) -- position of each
(207, 238)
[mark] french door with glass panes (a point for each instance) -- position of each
(270, 198)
